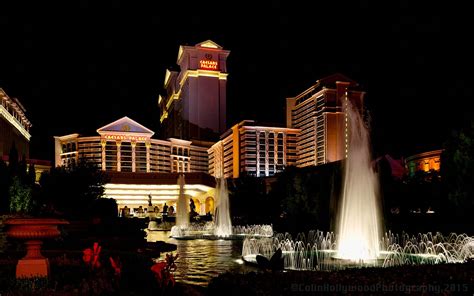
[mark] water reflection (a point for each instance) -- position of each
(200, 260)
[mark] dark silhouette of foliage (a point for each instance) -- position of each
(72, 191)
(105, 208)
(457, 171)
(274, 264)
(307, 197)
(17, 185)
(21, 197)
(249, 202)
(5, 179)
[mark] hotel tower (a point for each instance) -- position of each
(194, 107)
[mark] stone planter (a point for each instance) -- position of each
(33, 231)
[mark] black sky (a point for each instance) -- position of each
(81, 65)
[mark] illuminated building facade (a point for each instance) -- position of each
(319, 113)
(139, 165)
(425, 162)
(15, 130)
(126, 146)
(194, 107)
(256, 150)
(14, 127)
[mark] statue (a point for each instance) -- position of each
(150, 207)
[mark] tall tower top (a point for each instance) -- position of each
(194, 106)
(206, 55)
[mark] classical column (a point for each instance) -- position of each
(133, 156)
(257, 138)
(266, 154)
(118, 143)
(103, 143)
(275, 151)
(148, 145)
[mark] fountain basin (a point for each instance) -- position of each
(318, 250)
(327, 260)
(207, 231)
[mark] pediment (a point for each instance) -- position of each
(209, 44)
(127, 126)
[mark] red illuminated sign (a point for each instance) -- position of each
(208, 64)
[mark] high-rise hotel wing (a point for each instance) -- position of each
(319, 113)
(253, 149)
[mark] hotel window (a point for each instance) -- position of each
(111, 156)
(271, 136)
(126, 157)
(280, 157)
(280, 139)
(262, 138)
(140, 157)
(175, 166)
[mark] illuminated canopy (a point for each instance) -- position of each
(134, 188)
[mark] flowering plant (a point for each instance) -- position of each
(91, 256)
(163, 270)
(116, 265)
(98, 281)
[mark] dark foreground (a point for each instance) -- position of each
(445, 279)
(69, 279)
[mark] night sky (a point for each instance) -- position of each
(81, 65)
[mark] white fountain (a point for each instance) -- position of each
(359, 220)
(223, 224)
(182, 214)
(221, 227)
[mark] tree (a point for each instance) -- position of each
(248, 201)
(20, 197)
(307, 197)
(72, 191)
(5, 179)
(457, 171)
(21, 188)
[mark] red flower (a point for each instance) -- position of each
(87, 257)
(116, 265)
(163, 270)
(158, 269)
(91, 256)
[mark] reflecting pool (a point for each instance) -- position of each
(200, 260)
